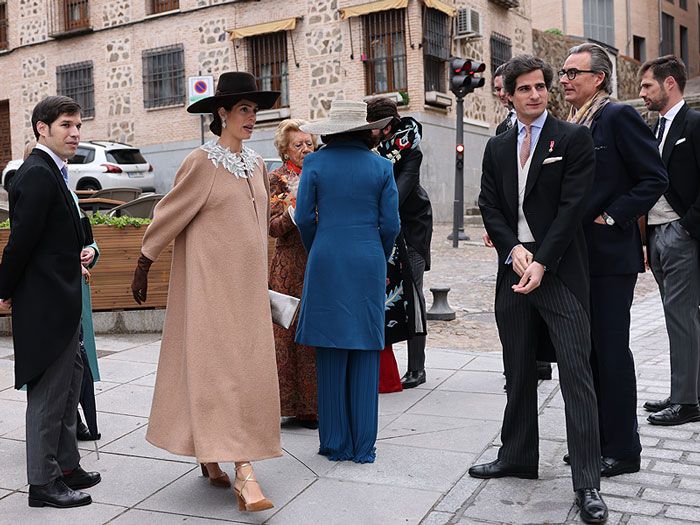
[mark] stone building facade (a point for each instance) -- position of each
(132, 58)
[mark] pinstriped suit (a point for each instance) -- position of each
(553, 204)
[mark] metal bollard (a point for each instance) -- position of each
(440, 310)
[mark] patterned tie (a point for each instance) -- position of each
(64, 172)
(525, 148)
(660, 130)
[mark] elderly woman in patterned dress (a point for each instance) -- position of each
(296, 364)
(216, 394)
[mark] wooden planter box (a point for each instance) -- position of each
(111, 277)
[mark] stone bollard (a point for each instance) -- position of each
(440, 310)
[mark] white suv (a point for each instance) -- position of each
(100, 164)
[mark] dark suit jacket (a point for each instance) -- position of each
(682, 161)
(629, 179)
(503, 126)
(414, 205)
(553, 204)
(40, 268)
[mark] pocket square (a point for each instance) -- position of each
(680, 141)
(552, 160)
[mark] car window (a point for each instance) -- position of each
(82, 156)
(125, 156)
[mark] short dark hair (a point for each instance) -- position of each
(50, 108)
(664, 67)
(499, 70)
(365, 136)
(523, 64)
(382, 107)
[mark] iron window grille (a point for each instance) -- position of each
(76, 15)
(668, 40)
(76, 81)
(164, 76)
(501, 51)
(268, 61)
(162, 6)
(436, 49)
(3, 25)
(385, 52)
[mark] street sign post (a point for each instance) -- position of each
(200, 87)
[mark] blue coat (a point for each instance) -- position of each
(354, 192)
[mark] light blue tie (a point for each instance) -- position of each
(64, 172)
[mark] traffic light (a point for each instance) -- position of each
(462, 75)
(460, 156)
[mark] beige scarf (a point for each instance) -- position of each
(589, 110)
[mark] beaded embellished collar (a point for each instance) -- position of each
(242, 164)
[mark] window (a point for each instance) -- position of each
(75, 81)
(668, 44)
(3, 25)
(598, 21)
(683, 4)
(82, 155)
(640, 48)
(436, 49)
(501, 51)
(162, 6)
(385, 52)
(164, 76)
(683, 34)
(268, 56)
(76, 15)
(125, 156)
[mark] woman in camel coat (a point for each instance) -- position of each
(216, 394)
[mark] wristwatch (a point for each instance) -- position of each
(608, 219)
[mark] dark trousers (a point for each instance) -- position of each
(518, 317)
(674, 258)
(348, 403)
(613, 364)
(52, 405)
(416, 344)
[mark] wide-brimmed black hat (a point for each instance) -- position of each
(233, 87)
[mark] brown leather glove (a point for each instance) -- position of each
(139, 285)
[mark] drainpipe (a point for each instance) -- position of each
(629, 27)
(563, 10)
(661, 34)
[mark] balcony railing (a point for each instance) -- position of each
(508, 4)
(68, 17)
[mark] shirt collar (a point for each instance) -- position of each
(537, 123)
(671, 113)
(58, 160)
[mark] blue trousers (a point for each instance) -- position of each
(348, 399)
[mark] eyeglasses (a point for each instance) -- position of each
(572, 72)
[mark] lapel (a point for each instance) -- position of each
(67, 197)
(674, 133)
(509, 155)
(549, 132)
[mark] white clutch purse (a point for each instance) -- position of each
(284, 308)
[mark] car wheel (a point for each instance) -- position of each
(88, 185)
(8, 179)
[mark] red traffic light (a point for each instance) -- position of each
(460, 148)
(463, 77)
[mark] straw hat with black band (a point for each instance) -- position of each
(233, 87)
(345, 116)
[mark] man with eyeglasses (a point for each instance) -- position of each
(629, 179)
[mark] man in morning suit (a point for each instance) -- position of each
(673, 235)
(40, 277)
(629, 179)
(533, 188)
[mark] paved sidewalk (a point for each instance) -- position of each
(428, 438)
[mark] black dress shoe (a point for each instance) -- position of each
(83, 433)
(610, 467)
(675, 415)
(79, 479)
(412, 379)
(544, 370)
(57, 494)
(593, 508)
(501, 469)
(657, 406)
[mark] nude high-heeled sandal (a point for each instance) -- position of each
(220, 481)
(255, 506)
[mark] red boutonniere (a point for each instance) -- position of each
(551, 146)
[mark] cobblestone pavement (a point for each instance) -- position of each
(428, 438)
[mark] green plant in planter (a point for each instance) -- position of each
(99, 218)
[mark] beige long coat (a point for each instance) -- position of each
(216, 396)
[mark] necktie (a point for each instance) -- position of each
(660, 130)
(64, 172)
(525, 148)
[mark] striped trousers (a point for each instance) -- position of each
(518, 317)
(348, 403)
